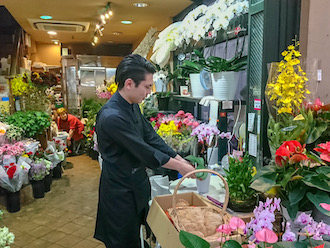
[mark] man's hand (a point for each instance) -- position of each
(182, 166)
(185, 168)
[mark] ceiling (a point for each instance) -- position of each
(158, 14)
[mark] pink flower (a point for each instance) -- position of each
(288, 235)
(224, 228)
(304, 219)
(325, 206)
(236, 223)
(266, 235)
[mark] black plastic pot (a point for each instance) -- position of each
(13, 201)
(57, 171)
(38, 188)
(47, 182)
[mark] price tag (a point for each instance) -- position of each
(227, 104)
(319, 75)
(257, 104)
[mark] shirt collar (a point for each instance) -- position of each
(118, 98)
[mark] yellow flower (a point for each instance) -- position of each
(254, 171)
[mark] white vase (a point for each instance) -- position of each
(224, 85)
(161, 85)
(203, 185)
(197, 89)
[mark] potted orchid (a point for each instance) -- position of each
(262, 231)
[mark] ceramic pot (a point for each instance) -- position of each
(224, 85)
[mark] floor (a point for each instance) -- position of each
(65, 217)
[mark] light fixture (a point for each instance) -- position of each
(52, 32)
(117, 33)
(46, 17)
(55, 42)
(126, 22)
(140, 5)
(105, 13)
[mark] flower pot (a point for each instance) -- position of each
(197, 89)
(13, 201)
(203, 185)
(163, 103)
(57, 171)
(47, 182)
(94, 155)
(224, 85)
(38, 188)
(160, 85)
(242, 206)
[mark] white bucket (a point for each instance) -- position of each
(197, 89)
(224, 85)
(161, 85)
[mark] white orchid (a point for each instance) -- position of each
(196, 25)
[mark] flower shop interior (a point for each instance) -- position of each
(240, 91)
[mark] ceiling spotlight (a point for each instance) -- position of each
(97, 26)
(140, 5)
(93, 44)
(126, 22)
(102, 17)
(95, 39)
(110, 12)
(117, 33)
(100, 32)
(52, 32)
(46, 17)
(107, 16)
(103, 21)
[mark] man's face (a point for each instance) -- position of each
(143, 90)
(63, 116)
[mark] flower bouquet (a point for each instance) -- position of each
(12, 177)
(106, 90)
(38, 170)
(176, 130)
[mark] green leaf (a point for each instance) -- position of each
(319, 181)
(190, 240)
(195, 159)
(316, 132)
(266, 170)
(319, 197)
(297, 193)
(324, 170)
(263, 184)
(287, 176)
(290, 245)
(293, 210)
(314, 157)
(231, 244)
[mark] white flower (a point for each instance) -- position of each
(201, 9)
(220, 23)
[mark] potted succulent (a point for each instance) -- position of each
(239, 176)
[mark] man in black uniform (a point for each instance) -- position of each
(128, 144)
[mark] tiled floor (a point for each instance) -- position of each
(65, 217)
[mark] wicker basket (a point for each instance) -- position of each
(178, 213)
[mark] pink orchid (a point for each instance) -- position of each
(236, 223)
(326, 206)
(224, 228)
(266, 235)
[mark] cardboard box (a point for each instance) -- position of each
(166, 234)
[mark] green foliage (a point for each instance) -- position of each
(32, 122)
(200, 165)
(14, 133)
(190, 240)
(217, 64)
(239, 178)
(295, 186)
(90, 107)
(195, 65)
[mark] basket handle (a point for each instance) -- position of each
(225, 204)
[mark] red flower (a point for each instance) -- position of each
(324, 149)
(290, 151)
(29, 153)
(11, 171)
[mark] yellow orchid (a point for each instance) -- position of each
(288, 87)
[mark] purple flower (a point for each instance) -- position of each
(288, 235)
(304, 219)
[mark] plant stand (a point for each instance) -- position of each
(13, 201)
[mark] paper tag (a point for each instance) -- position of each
(319, 75)
(253, 145)
(227, 104)
(257, 104)
(251, 117)
(258, 124)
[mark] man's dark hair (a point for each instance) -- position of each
(135, 67)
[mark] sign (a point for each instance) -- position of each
(257, 104)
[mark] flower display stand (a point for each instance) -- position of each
(13, 201)
(38, 188)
